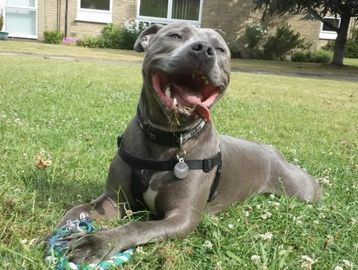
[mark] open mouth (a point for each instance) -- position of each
(186, 92)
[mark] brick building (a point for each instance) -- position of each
(78, 18)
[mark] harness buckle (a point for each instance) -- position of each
(207, 165)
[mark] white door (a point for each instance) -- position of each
(21, 18)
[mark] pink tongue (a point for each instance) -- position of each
(203, 112)
(186, 97)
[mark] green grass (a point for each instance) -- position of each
(73, 111)
(351, 62)
(348, 71)
(43, 49)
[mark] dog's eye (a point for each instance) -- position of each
(175, 35)
(219, 49)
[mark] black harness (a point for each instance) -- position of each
(172, 139)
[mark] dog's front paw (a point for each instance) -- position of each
(90, 247)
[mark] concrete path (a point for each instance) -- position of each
(298, 71)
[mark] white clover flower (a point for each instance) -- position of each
(307, 262)
(231, 226)
(325, 181)
(338, 267)
(330, 238)
(266, 236)
(129, 212)
(266, 215)
(284, 252)
(347, 263)
(298, 220)
(208, 244)
(218, 266)
(255, 259)
(321, 215)
(276, 204)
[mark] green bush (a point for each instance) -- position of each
(351, 50)
(1, 21)
(53, 37)
(115, 37)
(280, 44)
(91, 42)
(329, 46)
(254, 33)
(235, 52)
(301, 56)
(320, 56)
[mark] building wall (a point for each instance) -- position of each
(236, 14)
(46, 16)
(52, 17)
(228, 16)
(308, 29)
(122, 10)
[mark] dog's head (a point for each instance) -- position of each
(185, 68)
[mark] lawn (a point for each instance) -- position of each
(72, 111)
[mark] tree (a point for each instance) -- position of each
(318, 9)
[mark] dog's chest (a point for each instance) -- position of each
(149, 197)
(146, 184)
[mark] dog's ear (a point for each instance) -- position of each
(142, 41)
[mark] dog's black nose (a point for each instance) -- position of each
(203, 48)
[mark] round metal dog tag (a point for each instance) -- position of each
(181, 169)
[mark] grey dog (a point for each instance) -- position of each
(171, 159)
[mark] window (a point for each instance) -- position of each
(94, 11)
(328, 32)
(20, 18)
(186, 10)
(166, 11)
(95, 4)
(21, 3)
(154, 8)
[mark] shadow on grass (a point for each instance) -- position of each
(60, 189)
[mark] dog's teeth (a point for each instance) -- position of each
(175, 101)
(167, 92)
(205, 79)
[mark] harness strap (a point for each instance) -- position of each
(168, 165)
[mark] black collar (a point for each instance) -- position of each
(171, 139)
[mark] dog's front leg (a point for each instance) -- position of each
(111, 203)
(95, 247)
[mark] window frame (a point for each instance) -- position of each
(6, 6)
(94, 15)
(169, 19)
(331, 35)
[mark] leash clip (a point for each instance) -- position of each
(181, 169)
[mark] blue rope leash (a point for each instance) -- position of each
(57, 247)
